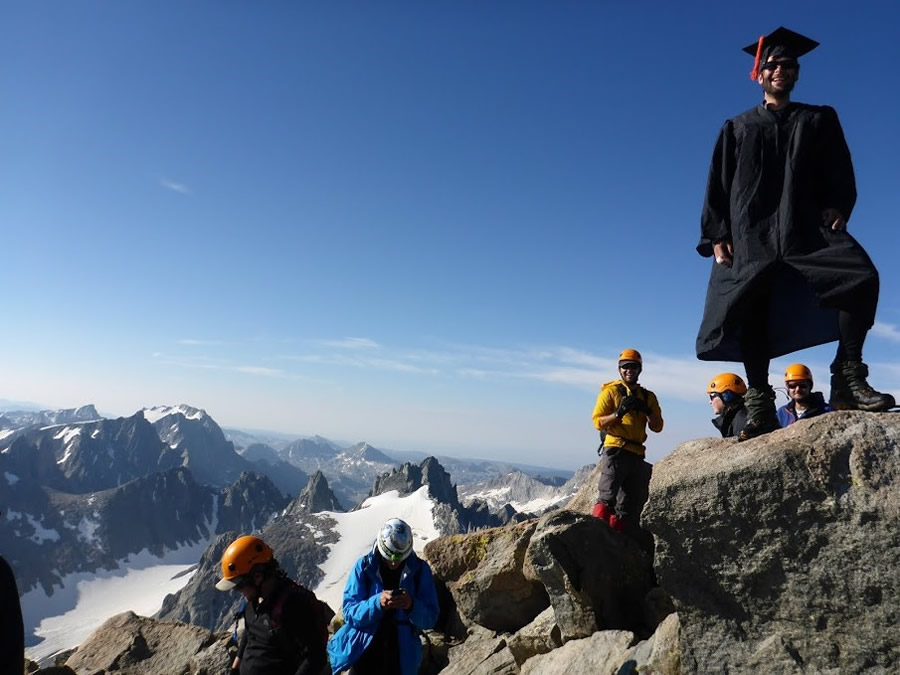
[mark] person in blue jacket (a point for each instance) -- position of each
(389, 598)
(805, 402)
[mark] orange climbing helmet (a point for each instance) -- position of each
(727, 382)
(797, 371)
(630, 356)
(239, 559)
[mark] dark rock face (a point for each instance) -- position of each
(249, 503)
(450, 516)
(317, 496)
(193, 439)
(86, 457)
(199, 602)
(781, 553)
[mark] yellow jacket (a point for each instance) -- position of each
(631, 431)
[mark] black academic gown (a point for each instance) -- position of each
(772, 175)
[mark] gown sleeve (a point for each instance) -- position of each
(715, 221)
(838, 182)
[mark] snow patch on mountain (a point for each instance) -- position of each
(357, 531)
(156, 413)
(87, 599)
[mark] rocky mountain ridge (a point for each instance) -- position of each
(524, 493)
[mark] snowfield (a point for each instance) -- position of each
(85, 601)
(64, 620)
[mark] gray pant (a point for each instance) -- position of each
(624, 482)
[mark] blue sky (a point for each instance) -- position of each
(431, 226)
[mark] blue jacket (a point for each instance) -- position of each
(363, 612)
(787, 414)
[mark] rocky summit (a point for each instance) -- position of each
(777, 555)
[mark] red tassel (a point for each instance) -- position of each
(755, 72)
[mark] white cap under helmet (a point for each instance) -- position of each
(394, 541)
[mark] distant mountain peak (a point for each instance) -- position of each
(317, 496)
(368, 453)
(156, 413)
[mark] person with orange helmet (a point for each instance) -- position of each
(622, 414)
(726, 396)
(805, 402)
(281, 635)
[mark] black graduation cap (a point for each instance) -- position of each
(781, 41)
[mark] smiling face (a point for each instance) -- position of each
(799, 390)
(778, 75)
(629, 371)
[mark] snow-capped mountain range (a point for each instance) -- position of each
(523, 492)
(91, 501)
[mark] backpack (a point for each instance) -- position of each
(623, 392)
(319, 610)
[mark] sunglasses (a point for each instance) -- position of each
(629, 366)
(784, 63)
(797, 385)
(714, 396)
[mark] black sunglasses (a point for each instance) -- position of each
(630, 366)
(793, 64)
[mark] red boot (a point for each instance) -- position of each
(617, 524)
(602, 511)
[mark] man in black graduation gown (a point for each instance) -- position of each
(786, 275)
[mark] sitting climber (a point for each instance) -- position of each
(726, 396)
(805, 402)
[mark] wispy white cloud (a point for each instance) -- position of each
(363, 362)
(351, 343)
(201, 343)
(180, 188)
(888, 331)
(207, 363)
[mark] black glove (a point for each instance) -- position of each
(642, 406)
(627, 405)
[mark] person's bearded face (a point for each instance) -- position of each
(778, 76)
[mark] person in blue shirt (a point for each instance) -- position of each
(390, 597)
(804, 401)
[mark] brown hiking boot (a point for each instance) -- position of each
(851, 391)
(761, 417)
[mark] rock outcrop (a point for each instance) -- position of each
(317, 496)
(128, 644)
(781, 553)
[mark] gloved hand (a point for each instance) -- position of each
(627, 405)
(642, 406)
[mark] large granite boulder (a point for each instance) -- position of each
(484, 573)
(128, 644)
(781, 553)
(595, 578)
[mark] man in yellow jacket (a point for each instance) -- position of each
(623, 412)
